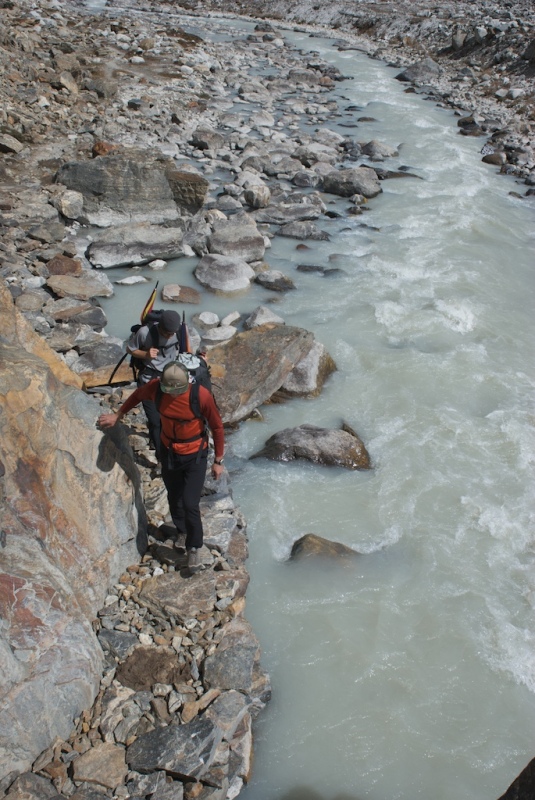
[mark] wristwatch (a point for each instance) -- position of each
(218, 461)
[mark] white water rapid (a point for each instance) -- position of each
(411, 675)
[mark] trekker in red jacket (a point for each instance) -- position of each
(184, 447)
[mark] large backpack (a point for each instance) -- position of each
(152, 319)
(199, 375)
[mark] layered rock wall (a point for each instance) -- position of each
(71, 520)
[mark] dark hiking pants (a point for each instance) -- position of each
(154, 425)
(183, 477)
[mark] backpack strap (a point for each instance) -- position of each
(194, 402)
(152, 336)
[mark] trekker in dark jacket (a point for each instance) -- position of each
(184, 447)
(155, 346)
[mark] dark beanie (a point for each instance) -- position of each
(170, 321)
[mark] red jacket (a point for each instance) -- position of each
(178, 420)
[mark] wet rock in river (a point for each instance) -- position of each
(308, 207)
(523, 787)
(310, 154)
(325, 446)
(173, 293)
(312, 546)
(262, 316)
(309, 375)
(378, 151)
(303, 230)
(218, 335)
(224, 273)
(253, 365)
(207, 139)
(257, 196)
(239, 238)
(275, 280)
(421, 73)
(347, 182)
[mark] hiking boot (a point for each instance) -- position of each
(194, 560)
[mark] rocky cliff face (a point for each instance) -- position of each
(71, 520)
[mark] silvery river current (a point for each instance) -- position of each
(412, 674)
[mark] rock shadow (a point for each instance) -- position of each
(114, 448)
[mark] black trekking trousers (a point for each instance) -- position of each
(183, 477)
(154, 425)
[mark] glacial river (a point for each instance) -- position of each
(412, 674)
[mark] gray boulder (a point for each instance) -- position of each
(303, 230)
(218, 335)
(421, 73)
(337, 448)
(302, 75)
(257, 196)
(275, 280)
(185, 751)
(347, 182)
(262, 316)
(82, 287)
(32, 787)
(281, 213)
(223, 273)
(207, 139)
(309, 154)
(132, 186)
(126, 245)
(308, 376)
(236, 662)
(121, 187)
(378, 151)
(239, 238)
(253, 365)
(306, 178)
(227, 711)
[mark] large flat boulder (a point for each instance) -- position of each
(135, 185)
(239, 238)
(128, 245)
(253, 365)
(82, 287)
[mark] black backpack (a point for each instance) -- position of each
(152, 319)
